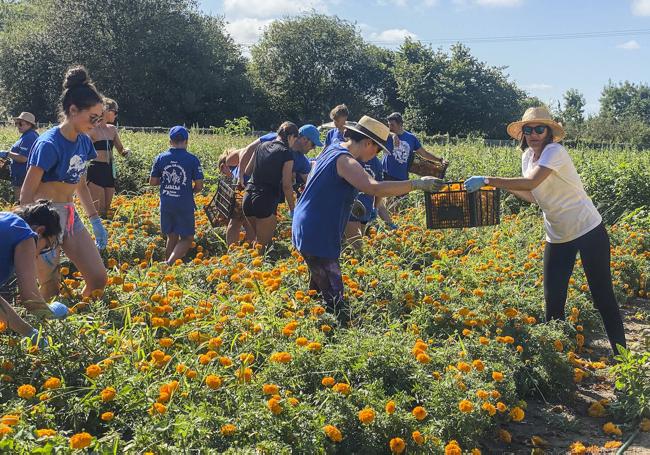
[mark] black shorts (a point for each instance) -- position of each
(260, 204)
(101, 174)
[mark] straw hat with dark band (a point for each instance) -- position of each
(26, 117)
(372, 129)
(537, 115)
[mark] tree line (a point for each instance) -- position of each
(167, 62)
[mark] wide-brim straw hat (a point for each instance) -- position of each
(538, 115)
(27, 117)
(372, 129)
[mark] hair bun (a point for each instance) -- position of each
(76, 76)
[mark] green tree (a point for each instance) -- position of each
(304, 66)
(177, 66)
(625, 101)
(573, 107)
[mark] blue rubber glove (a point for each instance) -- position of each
(391, 226)
(101, 236)
(41, 341)
(474, 183)
(59, 310)
(4, 153)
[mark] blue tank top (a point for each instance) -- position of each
(323, 210)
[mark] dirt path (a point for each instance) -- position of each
(562, 424)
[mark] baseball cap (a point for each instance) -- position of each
(179, 133)
(311, 133)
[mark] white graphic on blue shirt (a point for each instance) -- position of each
(401, 152)
(173, 179)
(76, 167)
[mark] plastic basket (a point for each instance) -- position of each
(453, 207)
(424, 167)
(5, 173)
(225, 204)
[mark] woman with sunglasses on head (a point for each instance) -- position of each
(101, 171)
(26, 232)
(56, 171)
(18, 153)
(571, 220)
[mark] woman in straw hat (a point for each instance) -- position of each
(571, 221)
(26, 124)
(324, 208)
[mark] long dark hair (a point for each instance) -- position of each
(287, 129)
(41, 213)
(78, 90)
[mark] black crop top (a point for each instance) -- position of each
(104, 144)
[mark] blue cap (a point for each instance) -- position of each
(179, 133)
(311, 133)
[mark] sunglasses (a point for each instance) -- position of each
(539, 129)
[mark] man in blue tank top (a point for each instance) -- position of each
(324, 209)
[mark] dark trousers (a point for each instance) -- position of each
(559, 259)
(325, 278)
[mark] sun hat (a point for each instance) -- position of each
(311, 132)
(26, 117)
(537, 115)
(179, 133)
(372, 129)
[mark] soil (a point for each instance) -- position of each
(560, 424)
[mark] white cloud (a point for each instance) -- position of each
(537, 86)
(641, 7)
(271, 8)
(631, 45)
(392, 36)
(247, 30)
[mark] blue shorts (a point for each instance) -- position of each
(180, 222)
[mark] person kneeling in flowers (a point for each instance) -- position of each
(571, 221)
(324, 209)
(26, 232)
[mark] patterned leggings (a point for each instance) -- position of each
(325, 278)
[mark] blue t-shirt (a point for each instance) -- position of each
(177, 169)
(13, 230)
(334, 136)
(22, 147)
(268, 137)
(62, 160)
(323, 210)
(372, 167)
(396, 162)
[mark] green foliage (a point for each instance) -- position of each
(633, 381)
(238, 127)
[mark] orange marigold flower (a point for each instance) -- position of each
(10, 419)
(419, 413)
(417, 437)
(45, 433)
(342, 388)
(612, 428)
(108, 394)
(213, 381)
(157, 408)
(52, 383)
(489, 407)
(333, 433)
(478, 365)
(80, 440)
(517, 414)
(270, 389)
(228, 429)
(328, 381)
(280, 357)
(93, 371)
(274, 405)
(613, 444)
(26, 391)
(107, 416)
(497, 376)
(302, 341)
(465, 406)
(482, 394)
(314, 346)
(367, 415)
(464, 367)
(452, 448)
(596, 410)
(397, 445)
(423, 358)
(390, 407)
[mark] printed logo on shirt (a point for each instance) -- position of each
(173, 178)
(76, 168)
(401, 152)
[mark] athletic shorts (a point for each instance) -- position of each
(260, 204)
(101, 174)
(70, 225)
(180, 222)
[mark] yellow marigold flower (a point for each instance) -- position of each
(397, 445)
(228, 429)
(484, 340)
(452, 448)
(497, 376)
(166, 342)
(213, 381)
(596, 410)
(611, 428)
(314, 346)
(390, 407)
(108, 394)
(367, 416)
(52, 383)
(80, 440)
(482, 394)
(613, 444)
(270, 389)
(505, 436)
(328, 381)
(26, 391)
(333, 433)
(93, 371)
(107, 416)
(302, 341)
(465, 406)
(342, 388)
(417, 438)
(464, 367)
(45, 433)
(419, 413)
(577, 448)
(280, 357)
(517, 414)
(478, 365)
(244, 375)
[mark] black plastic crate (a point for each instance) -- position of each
(453, 207)
(225, 204)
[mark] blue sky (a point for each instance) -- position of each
(545, 68)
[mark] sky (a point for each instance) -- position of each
(547, 46)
